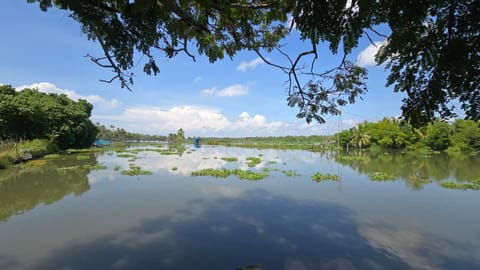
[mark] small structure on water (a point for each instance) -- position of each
(196, 142)
(101, 143)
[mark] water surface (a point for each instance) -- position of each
(56, 216)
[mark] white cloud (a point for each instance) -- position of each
(367, 56)
(96, 100)
(230, 91)
(209, 91)
(245, 66)
(204, 121)
(197, 79)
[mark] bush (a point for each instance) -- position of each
(39, 147)
(6, 159)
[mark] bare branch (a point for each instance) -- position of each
(284, 69)
(377, 33)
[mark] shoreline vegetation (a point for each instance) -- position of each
(409, 167)
(388, 134)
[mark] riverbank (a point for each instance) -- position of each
(15, 152)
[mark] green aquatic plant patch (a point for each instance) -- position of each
(290, 173)
(250, 175)
(126, 155)
(319, 177)
(116, 168)
(136, 170)
(475, 185)
(218, 173)
(381, 176)
(229, 159)
(253, 161)
(174, 168)
(223, 173)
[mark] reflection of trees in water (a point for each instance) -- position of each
(22, 189)
(416, 170)
(256, 228)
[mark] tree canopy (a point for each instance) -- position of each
(29, 114)
(431, 47)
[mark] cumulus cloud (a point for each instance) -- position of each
(205, 121)
(96, 100)
(367, 56)
(245, 66)
(230, 91)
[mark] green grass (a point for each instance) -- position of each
(83, 150)
(82, 157)
(39, 147)
(52, 156)
(319, 177)
(381, 176)
(6, 159)
(253, 161)
(229, 159)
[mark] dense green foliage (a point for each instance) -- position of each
(30, 114)
(431, 47)
(462, 135)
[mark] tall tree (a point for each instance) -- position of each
(431, 46)
(30, 114)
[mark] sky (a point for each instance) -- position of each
(230, 98)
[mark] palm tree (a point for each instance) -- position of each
(360, 139)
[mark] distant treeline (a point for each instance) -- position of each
(389, 133)
(113, 132)
(30, 114)
(297, 142)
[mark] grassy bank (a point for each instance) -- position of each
(13, 152)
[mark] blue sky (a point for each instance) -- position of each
(239, 97)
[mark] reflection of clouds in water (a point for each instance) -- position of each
(204, 158)
(420, 251)
(97, 176)
(135, 239)
(265, 229)
(222, 191)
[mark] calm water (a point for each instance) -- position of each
(54, 218)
